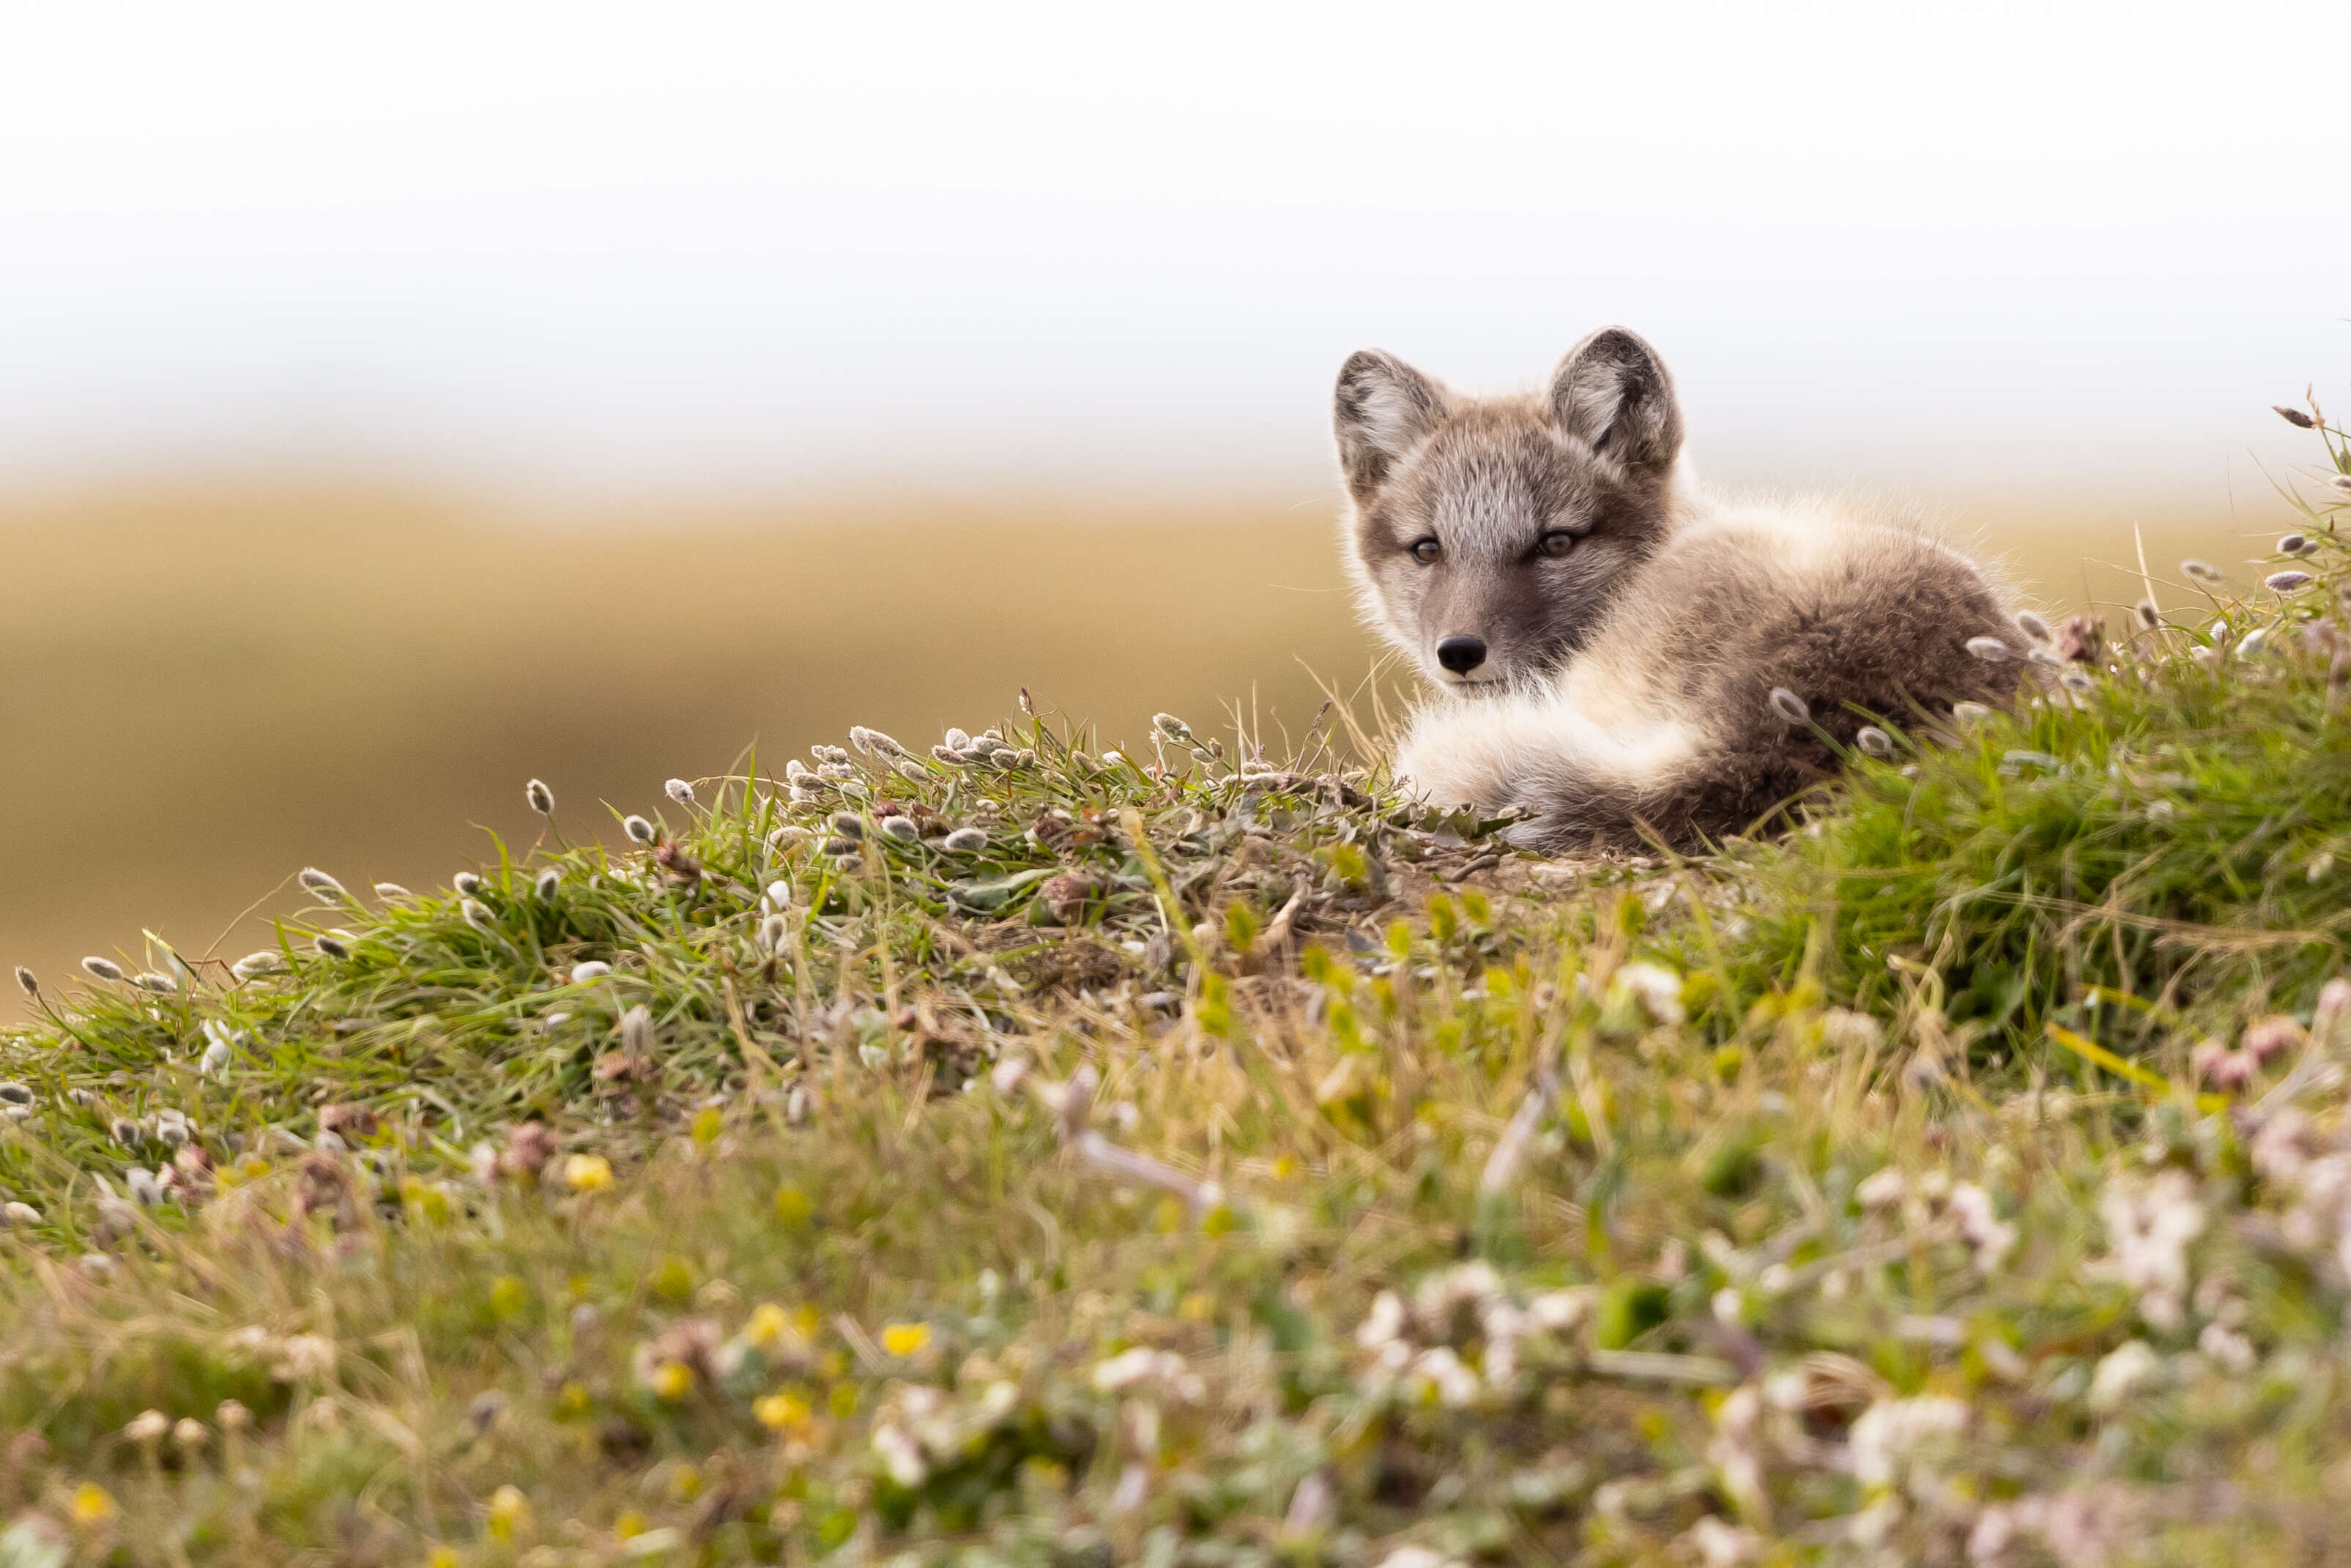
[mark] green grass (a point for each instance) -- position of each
(1235, 1164)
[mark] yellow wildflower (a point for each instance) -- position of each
(781, 1412)
(587, 1172)
(767, 1324)
(672, 1380)
(92, 1504)
(905, 1339)
(509, 1513)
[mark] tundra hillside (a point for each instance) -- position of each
(1017, 1151)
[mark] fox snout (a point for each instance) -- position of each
(1460, 655)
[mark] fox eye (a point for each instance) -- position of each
(1426, 550)
(1556, 543)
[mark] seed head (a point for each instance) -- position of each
(27, 983)
(214, 1059)
(1791, 707)
(636, 1029)
(594, 969)
(126, 1132)
(1971, 713)
(145, 1190)
(830, 756)
(2077, 681)
(188, 1434)
(2293, 544)
(2033, 626)
(967, 841)
(957, 740)
(848, 824)
(550, 882)
(476, 914)
(2286, 581)
(842, 849)
(334, 947)
(392, 890)
(172, 1130)
(1991, 650)
(21, 1214)
(262, 962)
(102, 968)
(541, 797)
(901, 828)
(148, 1426)
(774, 931)
(873, 743)
(466, 882)
(2339, 482)
(148, 980)
(320, 882)
(2148, 616)
(780, 894)
(16, 1094)
(679, 791)
(2203, 571)
(1874, 741)
(2294, 417)
(638, 828)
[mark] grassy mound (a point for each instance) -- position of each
(1019, 1152)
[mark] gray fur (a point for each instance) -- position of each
(1635, 631)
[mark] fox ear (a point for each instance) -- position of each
(1383, 409)
(1612, 390)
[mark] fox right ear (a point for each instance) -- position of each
(1383, 409)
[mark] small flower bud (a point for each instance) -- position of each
(2294, 417)
(638, 828)
(679, 791)
(541, 797)
(103, 969)
(2286, 581)
(27, 983)
(2202, 570)
(320, 882)
(1991, 650)
(332, 947)
(1874, 741)
(466, 882)
(901, 828)
(594, 969)
(392, 890)
(550, 882)
(1791, 707)
(967, 841)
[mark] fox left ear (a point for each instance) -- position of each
(1612, 390)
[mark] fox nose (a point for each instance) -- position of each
(1460, 655)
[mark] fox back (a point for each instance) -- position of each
(1610, 652)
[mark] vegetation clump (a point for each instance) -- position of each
(1016, 1151)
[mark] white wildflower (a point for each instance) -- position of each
(1896, 1437)
(1385, 1323)
(2148, 1229)
(2226, 1348)
(1441, 1373)
(2121, 1373)
(1657, 989)
(1979, 1222)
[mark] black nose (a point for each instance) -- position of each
(1460, 655)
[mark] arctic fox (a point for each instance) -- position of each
(1614, 654)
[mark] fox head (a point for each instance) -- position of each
(1490, 535)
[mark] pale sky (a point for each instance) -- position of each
(1978, 249)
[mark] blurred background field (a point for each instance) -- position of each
(395, 411)
(210, 686)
